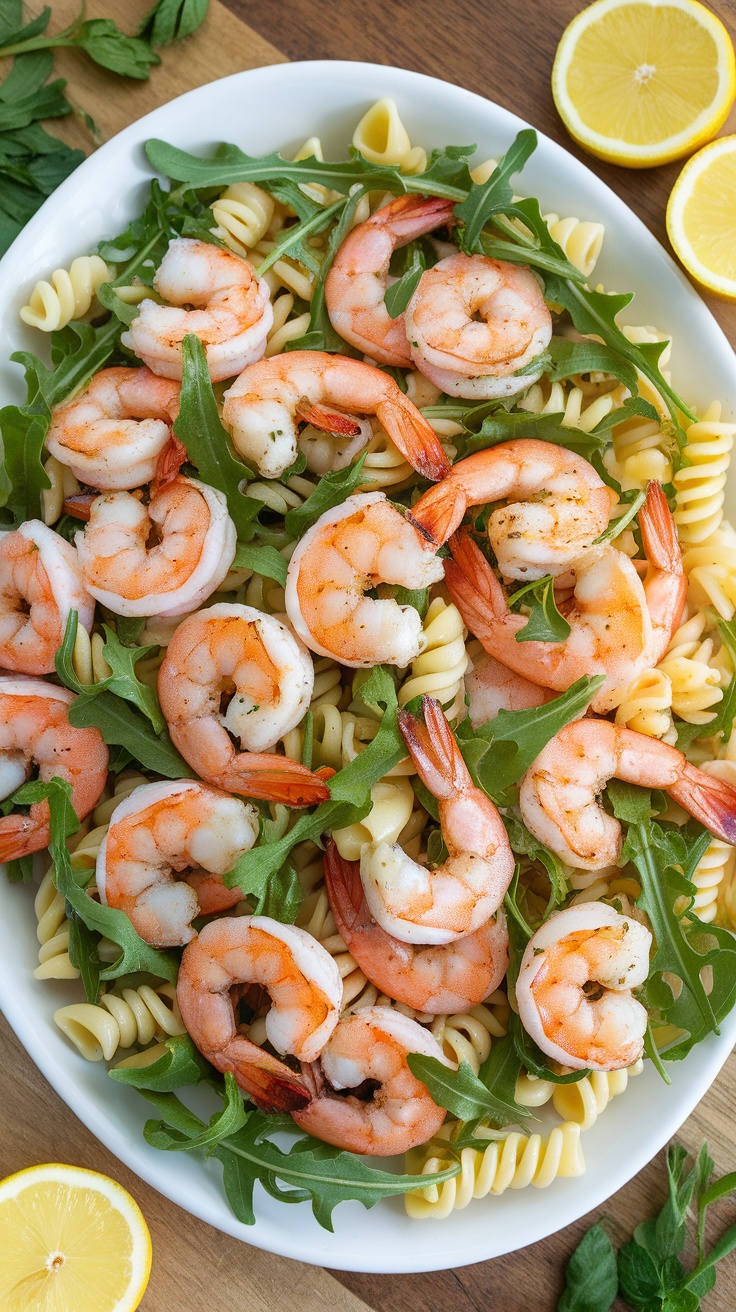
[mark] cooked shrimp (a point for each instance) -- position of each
(400, 1113)
(163, 857)
(35, 733)
(473, 323)
(574, 987)
(618, 625)
(559, 505)
(492, 687)
(559, 791)
(112, 434)
(193, 548)
(357, 281)
(267, 402)
(440, 979)
(40, 583)
(356, 546)
(306, 993)
(418, 905)
(231, 311)
(231, 672)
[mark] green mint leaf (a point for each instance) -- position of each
(262, 559)
(198, 426)
(221, 1127)
(461, 1091)
(591, 1277)
(493, 196)
(102, 40)
(500, 752)
(331, 491)
(545, 624)
(171, 20)
(135, 955)
(639, 1279)
(179, 1066)
(397, 297)
(11, 22)
(121, 725)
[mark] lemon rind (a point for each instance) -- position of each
(679, 196)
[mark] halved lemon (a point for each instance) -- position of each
(641, 82)
(71, 1239)
(701, 217)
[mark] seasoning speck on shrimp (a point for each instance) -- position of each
(364, 542)
(40, 583)
(305, 989)
(437, 978)
(559, 792)
(232, 673)
(557, 505)
(574, 987)
(265, 405)
(35, 733)
(164, 855)
(459, 896)
(372, 1045)
(230, 311)
(356, 283)
(193, 548)
(473, 323)
(112, 434)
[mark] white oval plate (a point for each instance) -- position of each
(263, 110)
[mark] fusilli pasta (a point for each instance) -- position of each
(700, 482)
(69, 294)
(439, 668)
(382, 138)
(694, 682)
(243, 215)
(583, 1101)
(580, 239)
(119, 1021)
(646, 706)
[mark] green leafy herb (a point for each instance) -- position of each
(221, 1126)
(591, 1275)
(180, 1065)
(308, 1171)
(570, 358)
(332, 490)
(489, 424)
(533, 1059)
(84, 954)
(545, 624)
(500, 752)
(461, 1091)
(493, 196)
(32, 164)
(171, 20)
(100, 38)
(135, 955)
(618, 525)
(320, 335)
(198, 426)
(523, 843)
(262, 559)
(121, 725)
(397, 296)
(123, 681)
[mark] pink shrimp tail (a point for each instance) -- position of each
(440, 511)
(473, 586)
(345, 891)
(327, 421)
(710, 800)
(170, 461)
(272, 1085)
(413, 436)
(434, 751)
(273, 779)
(21, 835)
(413, 216)
(658, 531)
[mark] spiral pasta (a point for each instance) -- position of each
(583, 1101)
(439, 668)
(63, 484)
(710, 567)
(576, 409)
(139, 1015)
(467, 1036)
(243, 215)
(512, 1160)
(647, 704)
(581, 240)
(53, 932)
(715, 868)
(69, 294)
(392, 804)
(382, 138)
(701, 481)
(284, 329)
(694, 682)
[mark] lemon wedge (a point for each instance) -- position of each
(72, 1239)
(641, 82)
(701, 217)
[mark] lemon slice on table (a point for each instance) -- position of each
(641, 82)
(701, 217)
(71, 1239)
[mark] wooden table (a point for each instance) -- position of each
(503, 51)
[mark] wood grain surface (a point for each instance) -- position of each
(505, 52)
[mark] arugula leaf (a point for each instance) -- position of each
(350, 792)
(618, 525)
(332, 490)
(545, 624)
(293, 240)
(320, 335)
(523, 843)
(123, 681)
(221, 1126)
(591, 1278)
(533, 1059)
(100, 38)
(462, 1092)
(135, 955)
(262, 559)
(309, 1171)
(198, 426)
(171, 20)
(586, 357)
(121, 725)
(500, 752)
(83, 954)
(493, 196)
(180, 1065)
(397, 297)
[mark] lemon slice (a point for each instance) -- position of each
(71, 1239)
(701, 217)
(641, 82)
